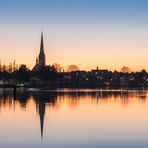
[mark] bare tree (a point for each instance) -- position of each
(72, 68)
(58, 67)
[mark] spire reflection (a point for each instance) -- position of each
(43, 100)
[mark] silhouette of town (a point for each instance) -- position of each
(53, 76)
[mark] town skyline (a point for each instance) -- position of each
(13, 64)
(44, 75)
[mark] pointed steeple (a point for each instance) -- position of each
(42, 55)
(42, 44)
(40, 61)
(97, 68)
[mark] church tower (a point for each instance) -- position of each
(40, 61)
(42, 54)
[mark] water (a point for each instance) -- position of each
(74, 118)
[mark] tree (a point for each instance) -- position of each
(5, 76)
(58, 67)
(21, 75)
(47, 74)
(126, 70)
(72, 68)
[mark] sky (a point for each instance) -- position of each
(109, 34)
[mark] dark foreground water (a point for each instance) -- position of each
(74, 119)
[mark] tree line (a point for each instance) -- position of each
(53, 75)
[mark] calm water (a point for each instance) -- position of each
(74, 119)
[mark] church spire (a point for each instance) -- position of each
(42, 44)
(42, 55)
(41, 60)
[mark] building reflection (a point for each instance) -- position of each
(54, 99)
(42, 100)
(41, 107)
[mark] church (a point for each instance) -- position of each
(40, 60)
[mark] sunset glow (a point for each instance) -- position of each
(109, 33)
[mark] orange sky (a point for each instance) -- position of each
(105, 51)
(83, 33)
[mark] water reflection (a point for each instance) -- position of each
(55, 99)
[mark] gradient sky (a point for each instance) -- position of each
(107, 33)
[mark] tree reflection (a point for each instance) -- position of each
(54, 99)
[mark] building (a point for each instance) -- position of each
(40, 60)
